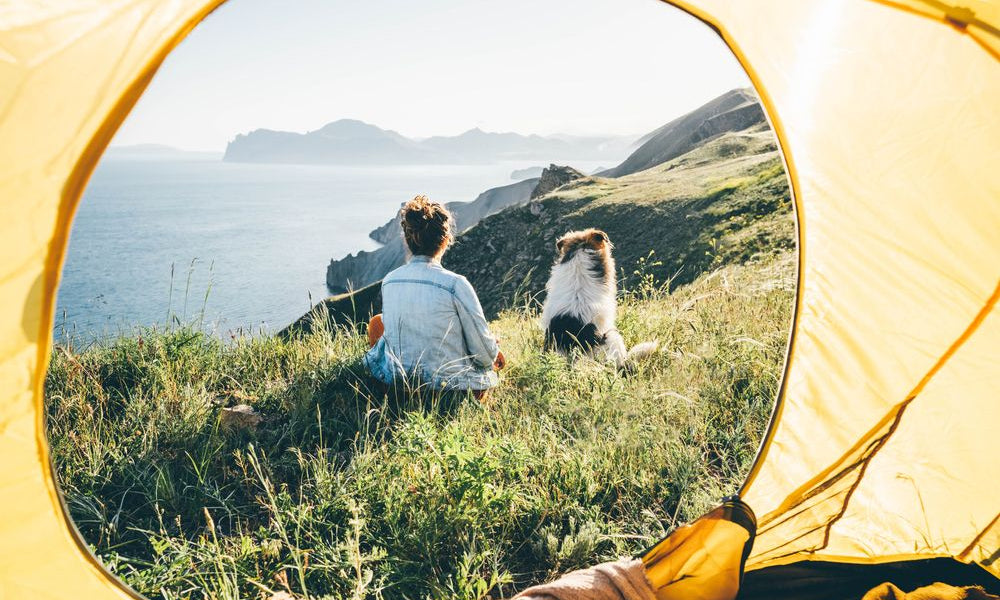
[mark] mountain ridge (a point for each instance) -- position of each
(352, 141)
(735, 110)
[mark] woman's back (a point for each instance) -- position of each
(434, 330)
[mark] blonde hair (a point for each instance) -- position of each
(426, 226)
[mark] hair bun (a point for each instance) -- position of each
(426, 225)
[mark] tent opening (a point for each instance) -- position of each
(197, 411)
(878, 458)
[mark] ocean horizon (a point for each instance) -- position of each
(232, 247)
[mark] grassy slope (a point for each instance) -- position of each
(342, 493)
(721, 203)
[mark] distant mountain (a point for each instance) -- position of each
(349, 141)
(156, 152)
(735, 110)
(342, 142)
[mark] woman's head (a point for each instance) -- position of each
(426, 226)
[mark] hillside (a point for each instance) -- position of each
(725, 202)
(735, 110)
(352, 142)
(341, 492)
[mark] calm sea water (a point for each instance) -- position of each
(234, 245)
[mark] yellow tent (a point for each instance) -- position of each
(884, 442)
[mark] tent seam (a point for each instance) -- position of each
(944, 19)
(975, 541)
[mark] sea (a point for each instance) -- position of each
(237, 249)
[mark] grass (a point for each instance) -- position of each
(344, 493)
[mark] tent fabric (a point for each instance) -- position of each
(881, 448)
(703, 560)
(69, 73)
(883, 442)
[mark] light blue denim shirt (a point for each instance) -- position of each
(434, 330)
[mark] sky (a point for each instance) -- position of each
(434, 67)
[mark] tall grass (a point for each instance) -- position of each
(343, 492)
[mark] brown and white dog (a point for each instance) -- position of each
(580, 303)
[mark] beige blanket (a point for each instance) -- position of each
(626, 580)
(621, 580)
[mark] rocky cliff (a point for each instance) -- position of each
(725, 202)
(555, 176)
(358, 270)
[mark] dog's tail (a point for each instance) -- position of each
(636, 354)
(641, 351)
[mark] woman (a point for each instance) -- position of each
(432, 328)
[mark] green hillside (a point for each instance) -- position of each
(725, 202)
(342, 493)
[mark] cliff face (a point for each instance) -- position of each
(358, 270)
(553, 177)
(735, 110)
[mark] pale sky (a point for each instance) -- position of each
(434, 67)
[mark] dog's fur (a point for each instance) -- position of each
(580, 305)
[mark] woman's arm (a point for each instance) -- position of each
(480, 342)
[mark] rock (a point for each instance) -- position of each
(387, 232)
(241, 416)
(553, 177)
(356, 271)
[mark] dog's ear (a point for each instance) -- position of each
(560, 244)
(599, 237)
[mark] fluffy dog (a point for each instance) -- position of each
(580, 305)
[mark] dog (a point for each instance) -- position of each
(580, 304)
